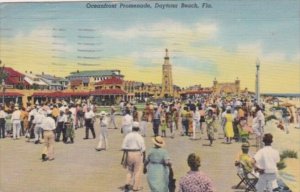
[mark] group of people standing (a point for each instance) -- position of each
(238, 118)
(157, 165)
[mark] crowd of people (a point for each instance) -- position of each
(236, 118)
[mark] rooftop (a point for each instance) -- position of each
(95, 73)
(110, 81)
(11, 72)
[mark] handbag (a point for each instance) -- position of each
(172, 180)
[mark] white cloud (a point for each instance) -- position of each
(167, 29)
(41, 38)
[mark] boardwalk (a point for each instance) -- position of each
(78, 167)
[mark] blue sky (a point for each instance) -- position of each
(223, 41)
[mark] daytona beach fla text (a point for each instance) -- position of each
(147, 5)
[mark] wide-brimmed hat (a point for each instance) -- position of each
(102, 113)
(158, 141)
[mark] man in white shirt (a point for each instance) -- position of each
(112, 117)
(48, 125)
(266, 160)
(16, 122)
(89, 118)
(134, 155)
(196, 121)
(127, 121)
(37, 121)
(3, 115)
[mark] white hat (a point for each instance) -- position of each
(102, 113)
(135, 124)
(228, 108)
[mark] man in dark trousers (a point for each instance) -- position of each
(60, 127)
(89, 119)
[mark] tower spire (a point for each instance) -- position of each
(167, 54)
(167, 81)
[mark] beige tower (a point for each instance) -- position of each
(167, 81)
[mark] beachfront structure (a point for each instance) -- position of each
(195, 91)
(109, 91)
(225, 88)
(34, 81)
(54, 82)
(142, 91)
(14, 79)
(95, 75)
(167, 80)
(85, 80)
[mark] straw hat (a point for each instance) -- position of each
(158, 141)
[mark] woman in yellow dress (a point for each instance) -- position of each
(228, 126)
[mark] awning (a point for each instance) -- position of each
(11, 94)
(108, 92)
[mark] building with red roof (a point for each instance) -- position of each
(14, 79)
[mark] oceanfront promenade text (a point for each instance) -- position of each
(128, 5)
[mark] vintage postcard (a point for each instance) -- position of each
(137, 95)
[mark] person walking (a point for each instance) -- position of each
(25, 122)
(3, 115)
(210, 126)
(69, 126)
(113, 117)
(127, 121)
(196, 121)
(184, 121)
(195, 180)
(228, 125)
(89, 118)
(259, 124)
(156, 121)
(157, 166)
(265, 161)
(143, 123)
(31, 116)
(103, 137)
(37, 122)
(286, 116)
(16, 122)
(134, 148)
(48, 125)
(60, 126)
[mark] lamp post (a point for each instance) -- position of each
(2, 82)
(3, 91)
(257, 92)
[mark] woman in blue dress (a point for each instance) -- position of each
(157, 166)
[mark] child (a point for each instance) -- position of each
(163, 127)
